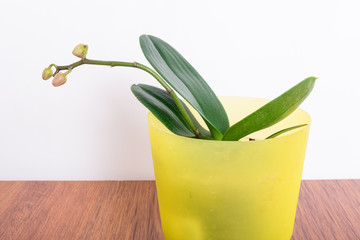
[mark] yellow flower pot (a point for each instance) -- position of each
(229, 190)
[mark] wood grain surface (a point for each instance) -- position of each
(327, 210)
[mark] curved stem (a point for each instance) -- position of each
(168, 89)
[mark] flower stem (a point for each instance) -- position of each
(168, 89)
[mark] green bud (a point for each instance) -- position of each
(47, 73)
(59, 79)
(80, 50)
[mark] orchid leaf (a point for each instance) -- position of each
(164, 108)
(272, 112)
(177, 72)
(285, 130)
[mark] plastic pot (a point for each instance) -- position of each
(229, 190)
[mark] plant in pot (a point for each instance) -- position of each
(224, 169)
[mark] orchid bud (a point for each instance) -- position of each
(59, 79)
(47, 73)
(80, 50)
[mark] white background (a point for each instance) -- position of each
(94, 128)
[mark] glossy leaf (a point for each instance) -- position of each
(186, 81)
(164, 108)
(272, 112)
(285, 130)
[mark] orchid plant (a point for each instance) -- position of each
(175, 74)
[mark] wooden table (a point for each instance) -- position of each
(327, 210)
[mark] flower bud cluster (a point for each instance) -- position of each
(60, 78)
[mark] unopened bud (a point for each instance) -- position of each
(59, 79)
(47, 73)
(80, 50)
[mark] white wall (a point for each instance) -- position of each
(93, 127)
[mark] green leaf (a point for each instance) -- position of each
(272, 112)
(164, 108)
(186, 81)
(284, 131)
